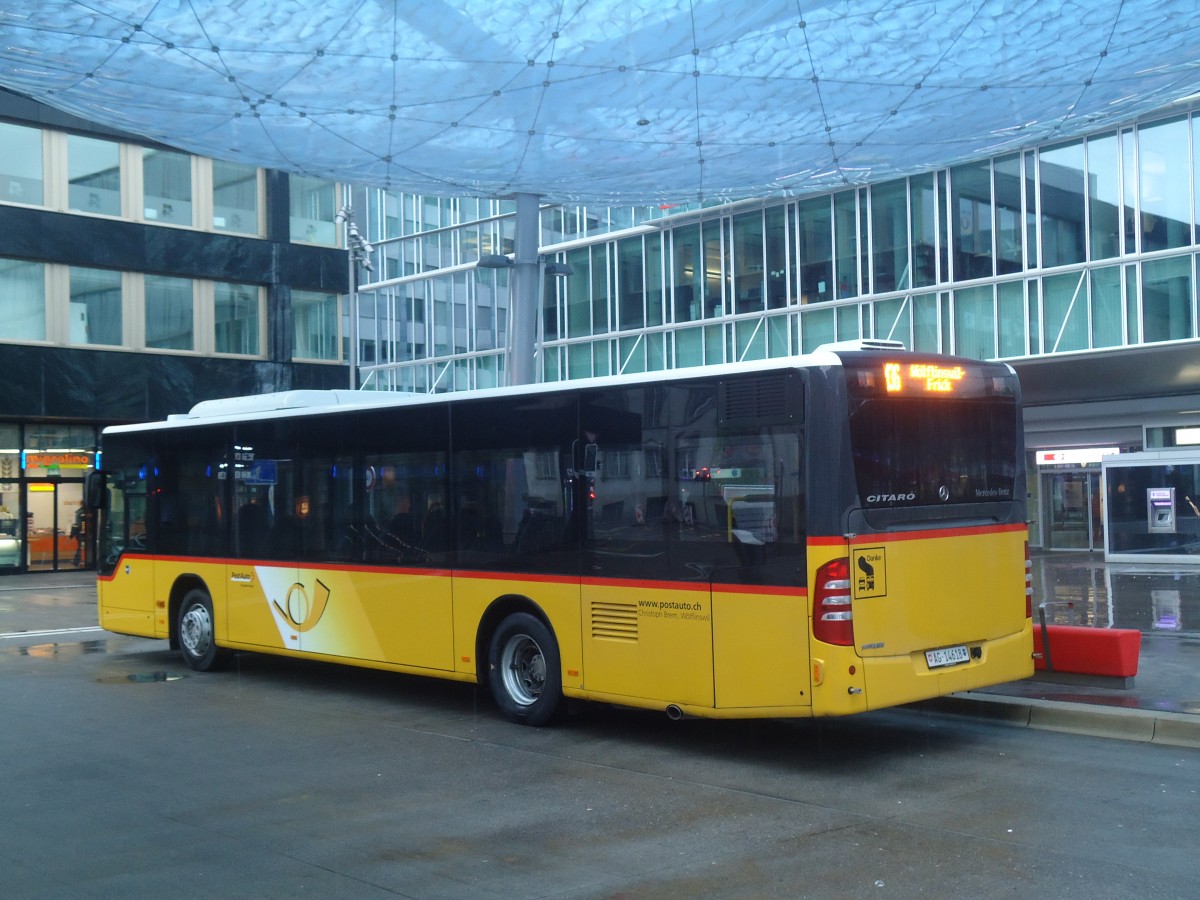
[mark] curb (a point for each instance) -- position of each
(1141, 725)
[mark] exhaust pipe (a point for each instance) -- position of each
(674, 713)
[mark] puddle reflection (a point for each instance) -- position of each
(74, 648)
(1074, 592)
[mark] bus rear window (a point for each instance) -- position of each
(930, 451)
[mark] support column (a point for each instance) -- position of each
(525, 293)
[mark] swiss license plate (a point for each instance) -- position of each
(947, 656)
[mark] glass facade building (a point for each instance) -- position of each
(1075, 261)
(1082, 246)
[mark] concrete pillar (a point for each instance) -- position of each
(524, 293)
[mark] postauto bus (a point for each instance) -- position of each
(824, 535)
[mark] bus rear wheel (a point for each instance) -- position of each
(524, 671)
(196, 632)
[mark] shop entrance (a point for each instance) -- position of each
(56, 526)
(1071, 510)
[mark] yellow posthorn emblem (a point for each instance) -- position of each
(300, 613)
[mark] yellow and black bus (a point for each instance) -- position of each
(829, 534)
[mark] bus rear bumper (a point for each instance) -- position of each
(892, 681)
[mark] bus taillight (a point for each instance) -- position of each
(832, 617)
(1028, 583)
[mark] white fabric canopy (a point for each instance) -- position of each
(646, 101)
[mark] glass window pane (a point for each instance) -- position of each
(654, 279)
(443, 327)
(1107, 307)
(579, 361)
(21, 165)
(889, 236)
(1132, 319)
(689, 274)
(632, 352)
(1129, 192)
(845, 211)
(893, 320)
(601, 363)
(689, 347)
(971, 206)
(1196, 170)
(1065, 307)
(95, 310)
(714, 344)
(1009, 219)
(777, 337)
(1167, 299)
(1063, 195)
(1163, 155)
(315, 322)
(94, 175)
(23, 287)
(1011, 319)
(848, 323)
(235, 197)
(814, 237)
(924, 231)
(630, 284)
(169, 313)
(578, 287)
(714, 269)
(776, 240)
(816, 328)
(749, 288)
(925, 323)
(313, 207)
(1104, 196)
(237, 313)
(167, 186)
(751, 339)
(656, 354)
(975, 322)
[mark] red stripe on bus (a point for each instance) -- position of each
(485, 575)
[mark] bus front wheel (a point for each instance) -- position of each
(524, 671)
(196, 632)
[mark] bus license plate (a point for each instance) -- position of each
(947, 656)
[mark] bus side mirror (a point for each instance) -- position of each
(95, 490)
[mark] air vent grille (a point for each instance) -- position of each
(771, 398)
(614, 621)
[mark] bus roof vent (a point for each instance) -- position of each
(760, 399)
(862, 344)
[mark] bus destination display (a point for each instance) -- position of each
(921, 377)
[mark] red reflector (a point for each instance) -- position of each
(833, 618)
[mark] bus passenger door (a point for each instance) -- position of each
(645, 590)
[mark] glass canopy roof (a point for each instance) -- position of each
(631, 102)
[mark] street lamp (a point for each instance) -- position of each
(358, 251)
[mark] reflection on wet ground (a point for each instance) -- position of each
(1160, 601)
(52, 616)
(1080, 589)
(48, 651)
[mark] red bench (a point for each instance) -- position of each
(1081, 650)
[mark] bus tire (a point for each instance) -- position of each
(196, 632)
(524, 671)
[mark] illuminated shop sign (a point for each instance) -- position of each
(57, 460)
(1081, 456)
